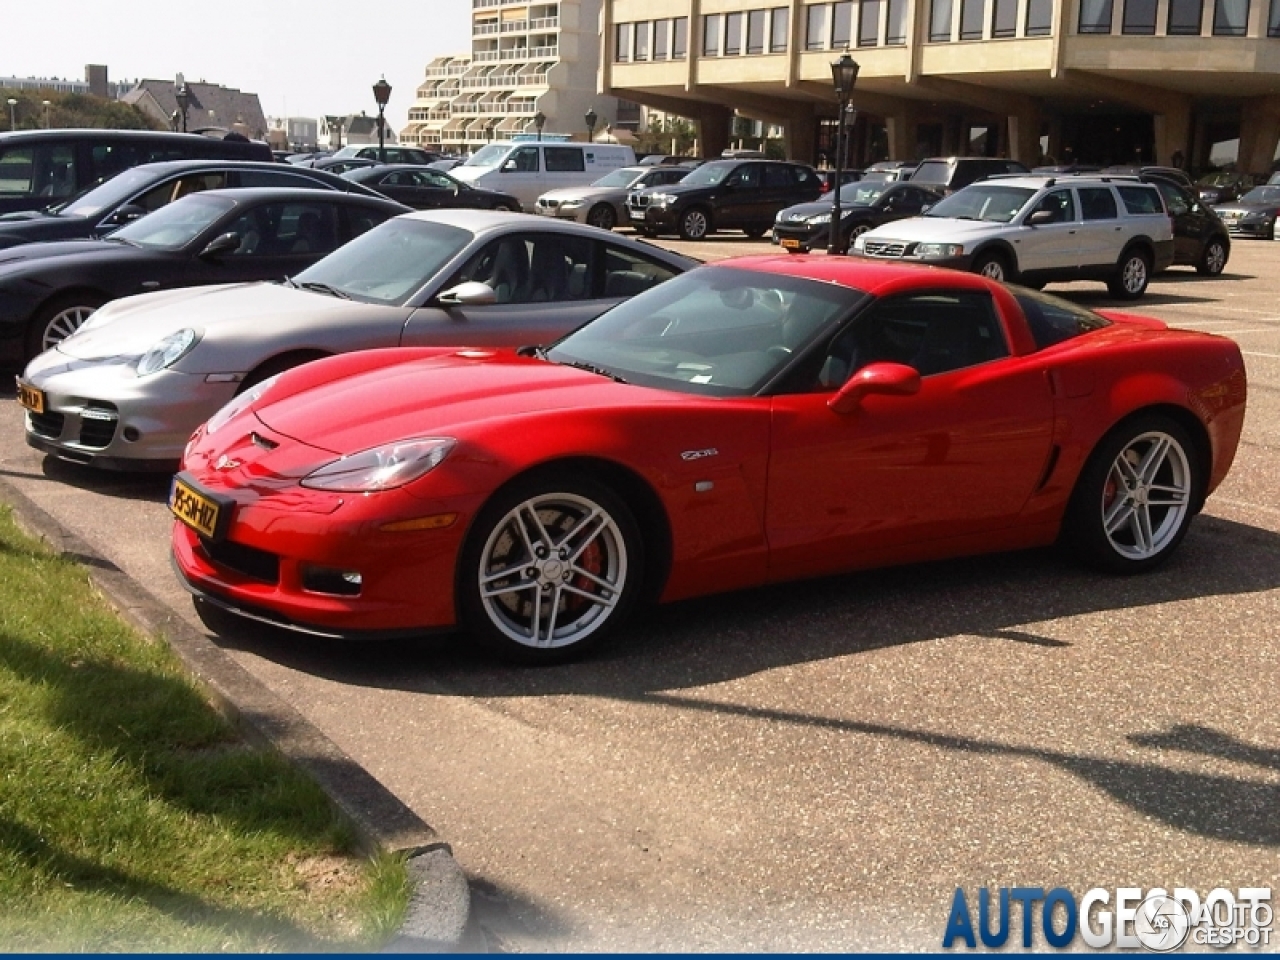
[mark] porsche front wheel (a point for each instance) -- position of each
(549, 568)
(1136, 496)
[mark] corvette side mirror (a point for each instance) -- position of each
(887, 379)
(221, 244)
(473, 293)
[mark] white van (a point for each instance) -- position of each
(528, 170)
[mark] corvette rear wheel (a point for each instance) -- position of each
(550, 567)
(1135, 498)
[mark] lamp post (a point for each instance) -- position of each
(13, 114)
(539, 121)
(46, 104)
(844, 74)
(183, 96)
(381, 93)
(591, 119)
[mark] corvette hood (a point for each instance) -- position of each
(240, 311)
(938, 229)
(438, 396)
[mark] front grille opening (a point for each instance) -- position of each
(247, 561)
(339, 583)
(47, 424)
(98, 426)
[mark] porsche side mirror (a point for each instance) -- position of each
(473, 293)
(1040, 218)
(221, 244)
(887, 379)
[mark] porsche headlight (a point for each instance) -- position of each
(931, 251)
(382, 468)
(238, 404)
(167, 352)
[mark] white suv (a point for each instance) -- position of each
(1036, 230)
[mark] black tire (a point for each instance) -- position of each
(994, 266)
(1104, 521)
(695, 224)
(755, 233)
(58, 319)
(602, 215)
(510, 619)
(269, 368)
(505, 208)
(1132, 275)
(1213, 258)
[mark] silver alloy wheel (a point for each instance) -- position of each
(993, 269)
(63, 324)
(1215, 258)
(1134, 275)
(1146, 495)
(695, 224)
(552, 570)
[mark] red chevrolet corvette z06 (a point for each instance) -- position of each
(753, 421)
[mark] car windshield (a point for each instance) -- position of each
(175, 225)
(389, 263)
(989, 202)
(621, 178)
(1216, 180)
(489, 156)
(1268, 195)
(716, 331)
(709, 174)
(862, 192)
(107, 195)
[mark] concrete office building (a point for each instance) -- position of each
(1089, 81)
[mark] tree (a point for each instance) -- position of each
(663, 132)
(74, 110)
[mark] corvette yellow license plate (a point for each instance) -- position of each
(790, 243)
(199, 511)
(30, 397)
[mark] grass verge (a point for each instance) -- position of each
(133, 817)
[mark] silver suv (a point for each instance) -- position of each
(1036, 230)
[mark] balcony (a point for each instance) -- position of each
(545, 23)
(532, 80)
(515, 26)
(477, 4)
(484, 56)
(482, 29)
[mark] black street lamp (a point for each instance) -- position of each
(844, 74)
(381, 93)
(539, 121)
(591, 119)
(183, 96)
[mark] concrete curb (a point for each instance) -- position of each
(440, 906)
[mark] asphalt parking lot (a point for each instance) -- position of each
(818, 766)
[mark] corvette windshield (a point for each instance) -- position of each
(390, 263)
(718, 331)
(172, 227)
(997, 204)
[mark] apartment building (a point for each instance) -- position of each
(1089, 81)
(526, 58)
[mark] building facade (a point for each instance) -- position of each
(211, 108)
(1086, 81)
(526, 58)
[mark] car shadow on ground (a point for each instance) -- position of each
(152, 487)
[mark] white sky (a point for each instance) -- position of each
(301, 57)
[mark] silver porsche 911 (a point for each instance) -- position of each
(127, 390)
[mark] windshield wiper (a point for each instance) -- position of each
(324, 288)
(592, 368)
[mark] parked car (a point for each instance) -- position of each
(528, 170)
(660, 159)
(146, 188)
(448, 163)
(41, 168)
(1038, 230)
(723, 195)
(863, 206)
(426, 189)
(1151, 171)
(47, 290)
(340, 165)
(387, 154)
(603, 204)
(890, 170)
(1223, 187)
(1253, 215)
(828, 178)
(946, 175)
(747, 423)
(1200, 238)
(126, 390)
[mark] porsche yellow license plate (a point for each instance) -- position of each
(789, 243)
(30, 397)
(197, 510)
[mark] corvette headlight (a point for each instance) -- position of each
(935, 250)
(167, 352)
(819, 218)
(382, 468)
(237, 405)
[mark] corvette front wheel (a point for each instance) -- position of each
(551, 565)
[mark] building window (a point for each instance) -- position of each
(1139, 17)
(869, 23)
(1039, 18)
(622, 42)
(661, 39)
(1095, 16)
(712, 27)
(897, 34)
(817, 33)
(1230, 18)
(755, 30)
(1273, 21)
(642, 41)
(1004, 18)
(841, 24)
(679, 38)
(732, 34)
(778, 34)
(940, 21)
(1185, 17)
(972, 14)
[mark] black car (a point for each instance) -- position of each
(723, 195)
(863, 205)
(388, 154)
(219, 236)
(141, 190)
(426, 188)
(1253, 215)
(949, 174)
(1223, 186)
(340, 165)
(889, 170)
(1199, 236)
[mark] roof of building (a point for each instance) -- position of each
(211, 105)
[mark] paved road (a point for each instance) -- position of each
(818, 766)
